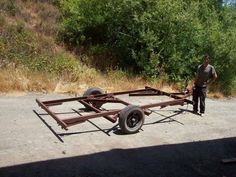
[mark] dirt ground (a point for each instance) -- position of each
(173, 142)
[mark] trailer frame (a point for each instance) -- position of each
(94, 103)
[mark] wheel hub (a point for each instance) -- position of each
(133, 120)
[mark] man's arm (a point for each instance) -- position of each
(214, 76)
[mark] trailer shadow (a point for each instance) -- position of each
(115, 129)
(48, 126)
(195, 159)
(59, 135)
(167, 119)
(106, 131)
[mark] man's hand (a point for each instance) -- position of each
(210, 81)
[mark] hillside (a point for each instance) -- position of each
(34, 57)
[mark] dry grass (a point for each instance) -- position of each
(40, 17)
(22, 80)
(216, 95)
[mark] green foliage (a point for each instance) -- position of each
(20, 47)
(155, 38)
(9, 6)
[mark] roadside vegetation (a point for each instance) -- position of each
(68, 45)
(32, 58)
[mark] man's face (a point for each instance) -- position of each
(206, 61)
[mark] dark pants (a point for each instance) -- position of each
(199, 93)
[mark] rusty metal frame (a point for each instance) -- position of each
(111, 115)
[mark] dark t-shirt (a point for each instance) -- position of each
(204, 74)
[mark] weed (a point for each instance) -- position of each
(9, 6)
(2, 20)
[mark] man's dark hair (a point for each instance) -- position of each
(207, 56)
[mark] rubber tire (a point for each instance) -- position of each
(94, 91)
(125, 116)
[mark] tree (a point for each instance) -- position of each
(155, 38)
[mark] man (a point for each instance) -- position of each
(204, 73)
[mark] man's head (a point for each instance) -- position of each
(206, 60)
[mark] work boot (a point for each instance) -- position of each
(195, 112)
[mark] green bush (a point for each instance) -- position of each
(154, 38)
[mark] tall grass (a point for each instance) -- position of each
(12, 79)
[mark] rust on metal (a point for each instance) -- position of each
(59, 121)
(91, 102)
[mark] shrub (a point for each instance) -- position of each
(154, 38)
(20, 47)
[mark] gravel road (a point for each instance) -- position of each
(173, 142)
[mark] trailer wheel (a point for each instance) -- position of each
(94, 91)
(131, 119)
